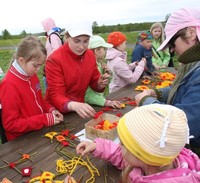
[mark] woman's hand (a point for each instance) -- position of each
(140, 96)
(84, 110)
(85, 147)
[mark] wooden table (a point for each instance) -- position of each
(46, 156)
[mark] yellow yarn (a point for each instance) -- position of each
(63, 166)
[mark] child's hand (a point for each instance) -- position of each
(106, 69)
(113, 104)
(84, 110)
(103, 80)
(69, 179)
(157, 66)
(146, 77)
(143, 60)
(58, 117)
(85, 147)
(163, 67)
(155, 73)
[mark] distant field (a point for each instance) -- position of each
(7, 48)
(10, 42)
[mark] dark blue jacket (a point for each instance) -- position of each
(187, 98)
(140, 52)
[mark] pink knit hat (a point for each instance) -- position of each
(48, 24)
(181, 19)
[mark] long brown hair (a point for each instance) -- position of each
(158, 25)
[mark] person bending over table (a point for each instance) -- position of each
(71, 69)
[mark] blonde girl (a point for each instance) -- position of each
(160, 59)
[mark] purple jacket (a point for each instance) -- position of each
(188, 165)
(123, 73)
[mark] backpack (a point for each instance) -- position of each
(57, 33)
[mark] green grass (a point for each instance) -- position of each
(131, 36)
(6, 55)
(9, 42)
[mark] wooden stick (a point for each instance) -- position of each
(13, 167)
(105, 173)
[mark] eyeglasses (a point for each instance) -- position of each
(172, 41)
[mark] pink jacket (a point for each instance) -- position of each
(123, 73)
(48, 25)
(188, 165)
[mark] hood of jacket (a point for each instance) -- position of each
(113, 53)
(48, 24)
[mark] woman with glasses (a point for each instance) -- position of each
(182, 36)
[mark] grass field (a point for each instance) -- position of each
(9, 46)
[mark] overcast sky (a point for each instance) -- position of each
(19, 15)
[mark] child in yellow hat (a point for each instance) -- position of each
(152, 147)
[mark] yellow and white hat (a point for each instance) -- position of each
(154, 133)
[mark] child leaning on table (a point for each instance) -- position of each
(123, 73)
(98, 45)
(23, 108)
(152, 147)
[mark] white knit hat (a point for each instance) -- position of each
(154, 133)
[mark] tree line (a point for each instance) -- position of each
(131, 27)
(96, 29)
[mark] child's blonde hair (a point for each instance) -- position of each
(158, 25)
(30, 48)
(125, 173)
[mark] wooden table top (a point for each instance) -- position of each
(46, 157)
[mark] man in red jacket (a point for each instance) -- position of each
(71, 69)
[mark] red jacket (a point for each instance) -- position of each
(23, 108)
(69, 75)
